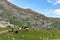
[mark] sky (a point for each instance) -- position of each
(49, 8)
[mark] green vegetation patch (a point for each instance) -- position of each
(31, 35)
(2, 29)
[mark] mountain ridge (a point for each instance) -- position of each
(24, 17)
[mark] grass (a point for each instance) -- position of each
(31, 35)
(2, 29)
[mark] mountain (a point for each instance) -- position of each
(26, 17)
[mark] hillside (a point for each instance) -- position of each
(25, 17)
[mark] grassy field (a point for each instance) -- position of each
(31, 35)
(2, 29)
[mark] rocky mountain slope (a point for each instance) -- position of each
(25, 17)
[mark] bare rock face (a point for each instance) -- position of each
(24, 17)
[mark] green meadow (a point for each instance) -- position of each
(31, 35)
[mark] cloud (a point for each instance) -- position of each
(52, 13)
(56, 12)
(8, 0)
(50, 1)
(48, 11)
(54, 2)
